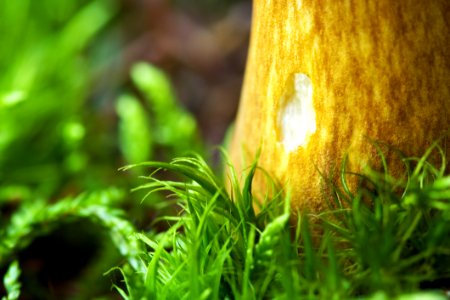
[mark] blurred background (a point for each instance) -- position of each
(88, 86)
(201, 44)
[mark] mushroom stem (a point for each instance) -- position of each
(377, 69)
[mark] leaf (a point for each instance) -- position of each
(135, 137)
(11, 281)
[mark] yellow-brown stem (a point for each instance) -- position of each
(378, 69)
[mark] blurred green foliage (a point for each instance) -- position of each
(62, 133)
(11, 282)
(173, 127)
(45, 83)
(51, 133)
(135, 136)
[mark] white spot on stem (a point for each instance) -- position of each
(297, 118)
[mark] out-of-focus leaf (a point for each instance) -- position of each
(135, 139)
(11, 98)
(11, 282)
(174, 127)
(156, 85)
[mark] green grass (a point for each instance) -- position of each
(389, 239)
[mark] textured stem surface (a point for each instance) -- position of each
(376, 69)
